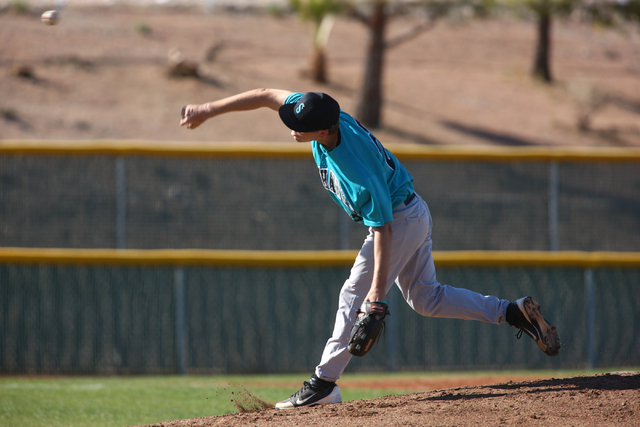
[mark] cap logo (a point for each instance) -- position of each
(312, 112)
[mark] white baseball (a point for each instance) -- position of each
(50, 17)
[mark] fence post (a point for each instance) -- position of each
(553, 206)
(591, 317)
(121, 202)
(181, 321)
(390, 337)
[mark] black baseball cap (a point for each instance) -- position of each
(315, 111)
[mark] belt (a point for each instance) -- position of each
(409, 199)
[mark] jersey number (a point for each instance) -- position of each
(378, 144)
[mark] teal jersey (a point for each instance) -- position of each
(360, 174)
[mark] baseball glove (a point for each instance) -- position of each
(368, 327)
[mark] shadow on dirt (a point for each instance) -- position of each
(610, 382)
(600, 382)
(453, 396)
(410, 136)
(11, 116)
(497, 138)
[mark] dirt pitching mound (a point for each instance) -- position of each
(602, 400)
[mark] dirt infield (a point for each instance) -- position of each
(603, 400)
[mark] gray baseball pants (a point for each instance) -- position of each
(413, 271)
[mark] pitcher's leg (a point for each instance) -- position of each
(427, 297)
(335, 356)
(410, 228)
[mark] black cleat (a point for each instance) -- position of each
(314, 392)
(525, 315)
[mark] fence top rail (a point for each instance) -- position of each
(293, 150)
(241, 258)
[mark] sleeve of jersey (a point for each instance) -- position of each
(376, 205)
(293, 98)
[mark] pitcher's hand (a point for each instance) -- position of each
(193, 116)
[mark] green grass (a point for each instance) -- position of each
(126, 401)
(138, 400)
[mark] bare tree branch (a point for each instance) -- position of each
(411, 34)
(354, 13)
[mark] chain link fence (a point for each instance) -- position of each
(149, 202)
(110, 319)
(153, 320)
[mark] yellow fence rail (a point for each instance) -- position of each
(291, 150)
(239, 258)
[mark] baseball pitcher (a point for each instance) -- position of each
(374, 189)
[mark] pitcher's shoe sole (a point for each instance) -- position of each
(542, 332)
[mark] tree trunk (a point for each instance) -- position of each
(368, 109)
(541, 67)
(319, 65)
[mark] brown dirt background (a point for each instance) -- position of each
(96, 75)
(595, 400)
